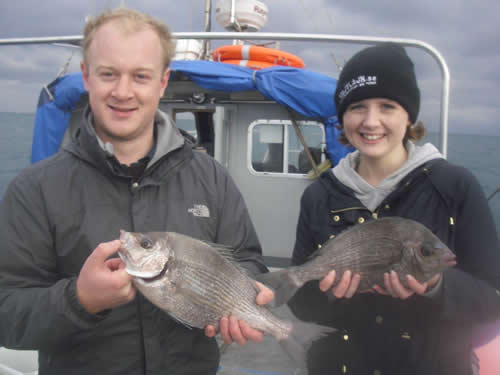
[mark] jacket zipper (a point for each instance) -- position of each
(348, 209)
(134, 185)
(138, 304)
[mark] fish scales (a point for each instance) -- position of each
(207, 288)
(190, 280)
(360, 258)
(378, 258)
(218, 284)
(225, 298)
(370, 249)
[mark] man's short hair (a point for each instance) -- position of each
(131, 21)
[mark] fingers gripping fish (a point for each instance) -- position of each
(370, 249)
(194, 283)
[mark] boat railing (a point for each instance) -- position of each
(321, 38)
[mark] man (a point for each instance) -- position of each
(63, 291)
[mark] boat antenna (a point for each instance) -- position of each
(493, 194)
(234, 21)
(65, 67)
(339, 66)
(208, 27)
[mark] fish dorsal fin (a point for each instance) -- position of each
(226, 251)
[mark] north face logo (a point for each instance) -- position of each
(199, 210)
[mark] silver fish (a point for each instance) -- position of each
(195, 284)
(370, 249)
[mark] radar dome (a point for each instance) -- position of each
(251, 15)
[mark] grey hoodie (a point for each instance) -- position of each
(371, 196)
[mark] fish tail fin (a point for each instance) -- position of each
(303, 334)
(283, 284)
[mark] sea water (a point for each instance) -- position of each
(478, 153)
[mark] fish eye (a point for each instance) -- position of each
(146, 244)
(426, 251)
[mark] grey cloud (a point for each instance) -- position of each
(464, 32)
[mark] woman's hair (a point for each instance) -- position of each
(414, 132)
(131, 21)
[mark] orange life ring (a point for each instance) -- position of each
(252, 64)
(256, 53)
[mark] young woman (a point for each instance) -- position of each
(427, 327)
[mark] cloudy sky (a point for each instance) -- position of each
(466, 33)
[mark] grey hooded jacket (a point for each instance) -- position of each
(56, 212)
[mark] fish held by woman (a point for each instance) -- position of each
(369, 249)
(196, 284)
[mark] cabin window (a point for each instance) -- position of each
(199, 124)
(186, 121)
(275, 148)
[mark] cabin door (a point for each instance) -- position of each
(263, 154)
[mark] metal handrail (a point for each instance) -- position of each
(351, 39)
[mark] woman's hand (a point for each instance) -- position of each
(395, 288)
(346, 287)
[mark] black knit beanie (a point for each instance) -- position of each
(382, 71)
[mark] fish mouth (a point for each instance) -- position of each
(147, 276)
(450, 261)
(158, 276)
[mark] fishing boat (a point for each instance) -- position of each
(257, 110)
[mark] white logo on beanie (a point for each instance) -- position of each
(354, 83)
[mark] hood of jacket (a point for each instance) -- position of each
(88, 147)
(372, 196)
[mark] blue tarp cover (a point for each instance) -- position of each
(306, 92)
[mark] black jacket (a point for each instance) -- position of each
(420, 335)
(57, 211)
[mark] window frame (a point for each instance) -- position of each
(287, 126)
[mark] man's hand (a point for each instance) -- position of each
(232, 329)
(394, 288)
(347, 286)
(103, 283)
